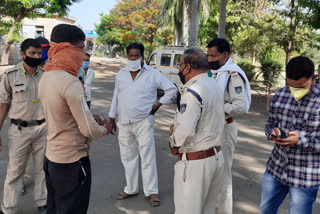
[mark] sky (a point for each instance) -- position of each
(87, 12)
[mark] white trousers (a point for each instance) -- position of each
(134, 139)
(224, 205)
(197, 184)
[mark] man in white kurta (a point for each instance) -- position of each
(196, 137)
(237, 100)
(134, 105)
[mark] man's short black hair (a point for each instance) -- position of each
(67, 33)
(29, 43)
(299, 67)
(221, 44)
(138, 46)
(196, 58)
(88, 55)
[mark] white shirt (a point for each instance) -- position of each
(235, 103)
(88, 80)
(199, 127)
(133, 99)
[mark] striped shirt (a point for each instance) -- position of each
(299, 165)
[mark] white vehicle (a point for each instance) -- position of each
(166, 61)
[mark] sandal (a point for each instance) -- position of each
(154, 200)
(123, 195)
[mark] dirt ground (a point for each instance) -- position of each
(252, 152)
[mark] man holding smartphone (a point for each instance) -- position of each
(293, 126)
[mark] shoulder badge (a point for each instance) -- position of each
(238, 89)
(183, 108)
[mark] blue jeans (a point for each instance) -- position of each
(273, 193)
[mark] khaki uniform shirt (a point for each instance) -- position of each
(20, 90)
(234, 96)
(197, 126)
(68, 118)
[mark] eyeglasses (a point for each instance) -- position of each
(178, 65)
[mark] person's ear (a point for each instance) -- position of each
(225, 56)
(22, 54)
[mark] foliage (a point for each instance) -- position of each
(20, 9)
(248, 68)
(133, 21)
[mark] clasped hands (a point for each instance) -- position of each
(110, 124)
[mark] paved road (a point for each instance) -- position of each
(108, 175)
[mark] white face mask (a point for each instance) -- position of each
(134, 65)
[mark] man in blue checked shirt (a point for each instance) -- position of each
(294, 127)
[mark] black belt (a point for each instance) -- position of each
(22, 123)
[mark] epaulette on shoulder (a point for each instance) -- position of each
(233, 72)
(10, 70)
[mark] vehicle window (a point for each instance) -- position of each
(152, 60)
(176, 59)
(165, 60)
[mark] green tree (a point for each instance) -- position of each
(132, 20)
(17, 10)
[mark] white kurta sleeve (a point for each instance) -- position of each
(170, 90)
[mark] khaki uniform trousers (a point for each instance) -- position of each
(224, 205)
(197, 184)
(21, 143)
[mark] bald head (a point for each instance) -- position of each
(197, 59)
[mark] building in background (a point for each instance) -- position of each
(91, 37)
(33, 28)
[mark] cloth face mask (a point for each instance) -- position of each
(134, 65)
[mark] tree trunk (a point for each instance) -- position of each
(185, 25)
(6, 46)
(222, 19)
(178, 34)
(294, 21)
(194, 22)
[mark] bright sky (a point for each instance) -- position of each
(87, 12)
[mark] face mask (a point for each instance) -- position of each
(181, 76)
(134, 65)
(214, 65)
(85, 64)
(299, 93)
(81, 74)
(33, 62)
(44, 55)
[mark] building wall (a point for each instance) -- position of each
(47, 24)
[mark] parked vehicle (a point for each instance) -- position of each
(166, 61)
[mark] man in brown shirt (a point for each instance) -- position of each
(70, 124)
(27, 132)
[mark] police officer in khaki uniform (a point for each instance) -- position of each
(27, 132)
(196, 137)
(237, 96)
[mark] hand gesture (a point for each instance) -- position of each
(155, 107)
(99, 119)
(291, 140)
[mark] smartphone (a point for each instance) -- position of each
(279, 136)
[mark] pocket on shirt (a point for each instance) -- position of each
(19, 93)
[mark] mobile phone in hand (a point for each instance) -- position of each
(279, 136)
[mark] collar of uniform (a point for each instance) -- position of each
(24, 72)
(228, 63)
(194, 79)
